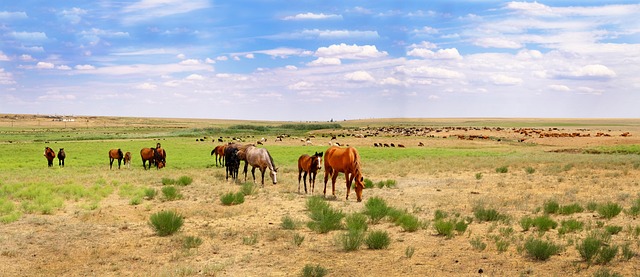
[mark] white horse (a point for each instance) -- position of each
(259, 157)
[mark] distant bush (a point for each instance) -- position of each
(150, 193)
(544, 223)
(551, 207)
(356, 222)
(478, 244)
(530, 170)
(502, 169)
(368, 184)
(314, 271)
(231, 198)
(570, 226)
(248, 188)
(377, 240)
(570, 209)
(482, 214)
(540, 250)
(288, 223)
(191, 242)
(609, 210)
(166, 222)
(351, 240)
(171, 193)
(184, 181)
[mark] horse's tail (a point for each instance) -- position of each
(120, 154)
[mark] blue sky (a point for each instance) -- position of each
(320, 60)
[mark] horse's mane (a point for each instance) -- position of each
(120, 153)
(271, 159)
(356, 161)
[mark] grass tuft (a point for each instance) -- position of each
(165, 223)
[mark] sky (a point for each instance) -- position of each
(320, 60)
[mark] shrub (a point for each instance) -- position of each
(368, 184)
(324, 218)
(627, 253)
(248, 188)
(408, 252)
(570, 226)
(530, 170)
(482, 214)
(460, 226)
(409, 222)
(297, 239)
(388, 183)
(250, 240)
(135, 201)
(606, 254)
(314, 271)
(478, 176)
(502, 169)
(231, 198)
(592, 206)
(288, 223)
(166, 222)
(589, 247)
(356, 222)
(439, 214)
(191, 242)
(609, 210)
(502, 245)
(168, 181)
(551, 207)
(351, 240)
(376, 208)
(395, 214)
(605, 272)
(170, 193)
(526, 223)
(150, 193)
(540, 250)
(184, 181)
(613, 229)
(570, 209)
(444, 228)
(478, 244)
(634, 210)
(544, 223)
(378, 240)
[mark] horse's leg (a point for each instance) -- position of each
(262, 171)
(299, 175)
(349, 178)
(327, 171)
(119, 162)
(334, 178)
(246, 166)
(312, 180)
(111, 163)
(253, 173)
(304, 180)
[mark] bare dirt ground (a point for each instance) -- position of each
(116, 240)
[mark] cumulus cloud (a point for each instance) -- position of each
(190, 62)
(73, 16)
(312, 16)
(359, 76)
(390, 81)
(44, 65)
(284, 52)
(146, 86)
(592, 71)
(353, 52)
(85, 67)
(195, 77)
(3, 57)
(441, 54)
(425, 30)
(325, 61)
(504, 80)
(302, 85)
(12, 15)
(29, 36)
(562, 88)
(63, 67)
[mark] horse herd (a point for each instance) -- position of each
(336, 160)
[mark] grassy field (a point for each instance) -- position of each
(505, 205)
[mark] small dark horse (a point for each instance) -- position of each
(61, 156)
(127, 159)
(311, 165)
(115, 154)
(231, 162)
(50, 155)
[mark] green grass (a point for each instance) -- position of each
(324, 218)
(351, 240)
(609, 210)
(540, 250)
(482, 214)
(288, 223)
(231, 198)
(376, 209)
(356, 222)
(166, 223)
(314, 271)
(378, 240)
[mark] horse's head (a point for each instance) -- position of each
(317, 157)
(274, 175)
(359, 185)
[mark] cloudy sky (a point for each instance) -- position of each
(320, 60)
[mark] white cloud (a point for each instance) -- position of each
(325, 61)
(562, 88)
(56, 95)
(12, 15)
(354, 52)
(3, 57)
(312, 16)
(63, 67)
(85, 67)
(209, 61)
(291, 67)
(190, 62)
(222, 58)
(359, 76)
(441, 54)
(44, 65)
(181, 56)
(249, 56)
(336, 34)
(390, 81)
(29, 36)
(429, 72)
(26, 58)
(73, 15)
(592, 71)
(529, 54)
(492, 42)
(302, 85)
(195, 77)
(6, 78)
(146, 86)
(504, 80)
(145, 10)
(284, 52)
(425, 30)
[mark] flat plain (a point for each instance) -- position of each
(85, 219)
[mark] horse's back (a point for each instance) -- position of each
(341, 159)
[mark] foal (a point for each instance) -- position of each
(311, 165)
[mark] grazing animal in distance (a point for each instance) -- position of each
(50, 155)
(260, 158)
(347, 161)
(61, 156)
(160, 157)
(231, 162)
(127, 159)
(309, 165)
(115, 154)
(401, 145)
(219, 152)
(421, 144)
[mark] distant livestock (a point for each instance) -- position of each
(127, 159)
(61, 156)
(115, 154)
(219, 152)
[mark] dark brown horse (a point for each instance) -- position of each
(347, 161)
(115, 154)
(219, 152)
(161, 157)
(61, 156)
(309, 165)
(127, 159)
(50, 155)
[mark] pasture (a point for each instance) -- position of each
(474, 189)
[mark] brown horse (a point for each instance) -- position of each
(347, 161)
(61, 156)
(148, 154)
(311, 165)
(161, 157)
(115, 154)
(260, 158)
(219, 152)
(127, 159)
(50, 155)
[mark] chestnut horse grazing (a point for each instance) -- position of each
(148, 154)
(115, 154)
(127, 159)
(61, 156)
(260, 158)
(161, 157)
(311, 165)
(347, 161)
(50, 155)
